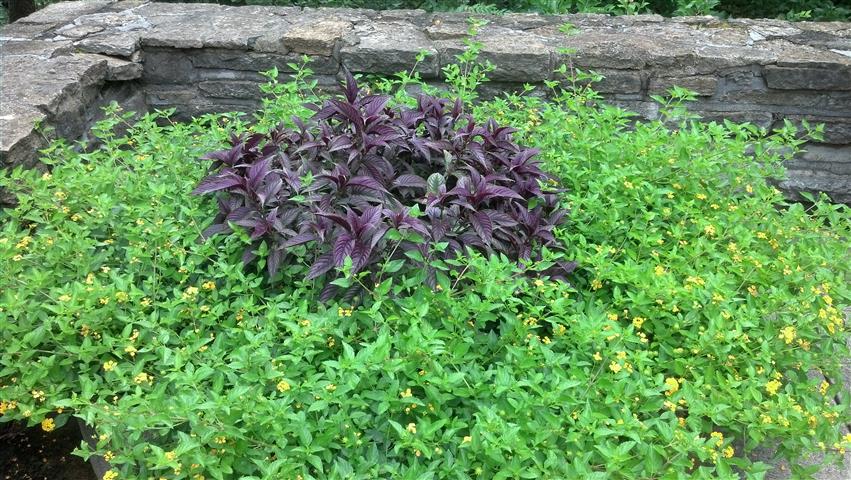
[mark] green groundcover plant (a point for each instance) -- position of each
(704, 319)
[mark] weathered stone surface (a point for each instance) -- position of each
(704, 85)
(17, 135)
(315, 37)
(64, 11)
(24, 31)
(41, 48)
(224, 89)
(119, 45)
(516, 55)
(388, 49)
(119, 70)
(619, 81)
(786, 78)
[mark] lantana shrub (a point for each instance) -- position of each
(374, 185)
(704, 319)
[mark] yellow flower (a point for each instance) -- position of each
(108, 456)
(749, 188)
(406, 394)
(110, 475)
(753, 290)
(47, 425)
(823, 387)
(170, 456)
(64, 298)
(615, 367)
(613, 316)
(411, 428)
(539, 283)
(596, 284)
(628, 185)
(331, 387)
(190, 293)
(467, 439)
(659, 270)
(597, 356)
(700, 196)
(788, 334)
(121, 297)
(637, 322)
(209, 285)
(142, 378)
(146, 302)
(621, 355)
(709, 230)
(109, 365)
(729, 452)
(131, 350)
(719, 438)
(772, 387)
(673, 386)
(283, 386)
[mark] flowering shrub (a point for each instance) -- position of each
(704, 318)
(369, 184)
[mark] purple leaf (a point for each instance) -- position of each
(409, 181)
(221, 181)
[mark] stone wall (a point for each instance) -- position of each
(62, 63)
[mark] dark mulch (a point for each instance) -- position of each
(33, 454)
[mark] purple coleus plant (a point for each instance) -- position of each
(359, 169)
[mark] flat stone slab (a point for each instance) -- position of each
(206, 57)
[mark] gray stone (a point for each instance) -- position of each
(65, 11)
(122, 70)
(760, 119)
(119, 45)
(19, 138)
(213, 27)
(704, 85)
(388, 49)
(25, 31)
(40, 48)
(315, 37)
(78, 31)
(619, 81)
(168, 66)
(516, 55)
(224, 89)
(833, 78)
(257, 62)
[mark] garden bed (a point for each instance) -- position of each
(680, 341)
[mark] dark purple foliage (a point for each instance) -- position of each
(359, 169)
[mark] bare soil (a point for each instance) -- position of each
(33, 454)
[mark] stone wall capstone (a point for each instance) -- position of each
(61, 64)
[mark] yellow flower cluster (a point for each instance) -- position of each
(109, 365)
(48, 425)
(673, 386)
(788, 334)
(773, 386)
(110, 475)
(190, 293)
(283, 386)
(344, 312)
